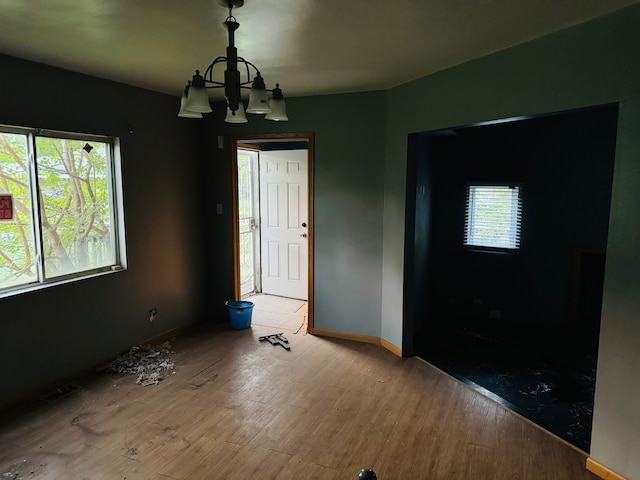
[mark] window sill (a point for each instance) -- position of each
(492, 251)
(54, 283)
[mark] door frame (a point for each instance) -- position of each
(239, 140)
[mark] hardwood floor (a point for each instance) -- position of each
(237, 408)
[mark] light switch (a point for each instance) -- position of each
(219, 208)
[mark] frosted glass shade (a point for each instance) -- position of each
(278, 110)
(239, 116)
(258, 101)
(184, 113)
(198, 100)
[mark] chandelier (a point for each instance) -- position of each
(195, 100)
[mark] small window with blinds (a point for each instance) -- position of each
(493, 216)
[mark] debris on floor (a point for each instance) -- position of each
(304, 324)
(12, 474)
(276, 339)
(150, 362)
(21, 469)
(540, 388)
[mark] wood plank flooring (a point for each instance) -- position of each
(237, 408)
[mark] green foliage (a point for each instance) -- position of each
(244, 185)
(74, 214)
(16, 236)
(245, 211)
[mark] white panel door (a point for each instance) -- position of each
(284, 223)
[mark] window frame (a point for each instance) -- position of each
(467, 218)
(115, 199)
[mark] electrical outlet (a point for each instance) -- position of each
(152, 314)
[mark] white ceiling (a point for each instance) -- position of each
(308, 46)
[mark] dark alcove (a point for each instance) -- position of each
(523, 324)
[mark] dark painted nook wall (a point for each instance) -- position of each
(51, 334)
(564, 165)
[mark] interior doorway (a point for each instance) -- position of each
(273, 217)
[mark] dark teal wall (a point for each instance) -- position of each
(348, 174)
(51, 334)
(591, 64)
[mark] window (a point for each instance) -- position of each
(66, 219)
(493, 216)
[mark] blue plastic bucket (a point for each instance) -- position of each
(240, 314)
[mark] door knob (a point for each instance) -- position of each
(303, 235)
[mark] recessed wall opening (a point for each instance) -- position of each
(521, 324)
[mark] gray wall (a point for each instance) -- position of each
(591, 64)
(52, 334)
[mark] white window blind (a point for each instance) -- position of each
(493, 216)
